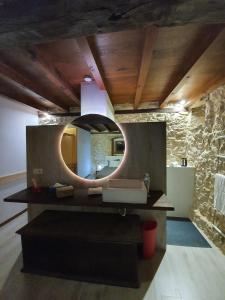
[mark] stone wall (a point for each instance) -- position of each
(206, 124)
(101, 146)
(176, 130)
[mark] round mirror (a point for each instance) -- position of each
(92, 146)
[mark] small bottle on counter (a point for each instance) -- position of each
(184, 162)
(147, 181)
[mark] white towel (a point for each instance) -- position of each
(219, 193)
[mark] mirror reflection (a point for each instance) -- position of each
(92, 146)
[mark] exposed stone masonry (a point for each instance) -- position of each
(101, 146)
(176, 131)
(206, 124)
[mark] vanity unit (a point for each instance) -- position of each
(102, 247)
(94, 237)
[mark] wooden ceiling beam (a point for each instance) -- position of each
(27, 22)
(46, 82)
(107, 127)
(96, 127)
(18, 82)
(55, 79)
(57, 76)
(84, 127)
(149, 41)
(93, 65)
(204, 40)
(17, 92)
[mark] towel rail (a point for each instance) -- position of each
(221, 156)
(218, 230)
(220, 137)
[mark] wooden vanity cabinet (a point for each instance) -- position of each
(92, 247)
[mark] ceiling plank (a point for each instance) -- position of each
(90, 58)
(46, 81)
(150, 38)
(17, 81)
(203, 41)
(210, 88)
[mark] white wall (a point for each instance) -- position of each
(83, 152)
(95, 101)
(14, 117)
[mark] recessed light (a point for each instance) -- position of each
(182, 102)
(88, 78)
(46, 115)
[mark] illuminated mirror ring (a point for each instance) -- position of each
(93, 147)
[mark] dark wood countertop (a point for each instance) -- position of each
(85, 226)
(156, 200)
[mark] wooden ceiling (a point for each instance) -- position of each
(159, 65)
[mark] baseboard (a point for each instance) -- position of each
(8, 179)
(12, 218)
(1, 296)
(178, 219)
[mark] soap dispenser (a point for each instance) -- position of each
(147, 181)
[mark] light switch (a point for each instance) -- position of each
(37, 171)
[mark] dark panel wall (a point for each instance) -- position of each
(146, 153)
(146, 144)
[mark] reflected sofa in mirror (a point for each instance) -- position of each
(92, 146)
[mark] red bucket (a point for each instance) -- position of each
(149, 238)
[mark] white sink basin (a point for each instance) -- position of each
(125, 191)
